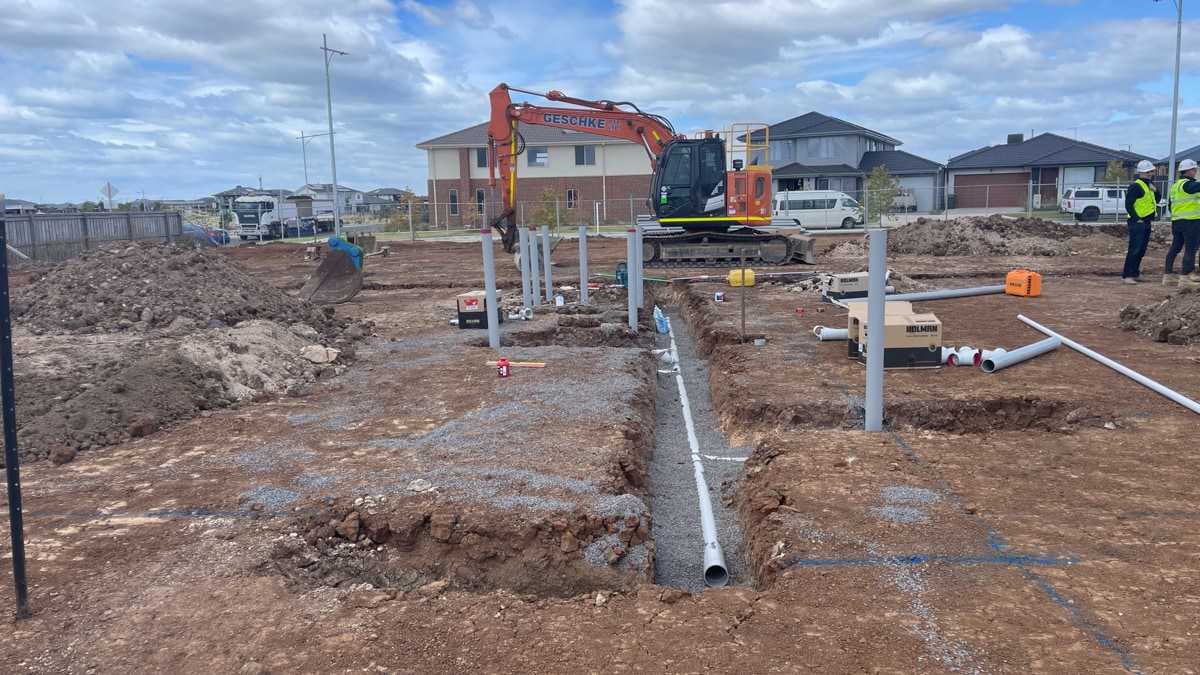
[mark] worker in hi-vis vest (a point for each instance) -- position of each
(1141, 203)
(1185, 227)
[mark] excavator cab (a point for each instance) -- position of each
(689, 186)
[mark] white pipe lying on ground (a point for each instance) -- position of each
(824, 333)
(716, 574)
(1002, 361)
(942, 295)
(993, 353)
(1127, 372)
(947, 352)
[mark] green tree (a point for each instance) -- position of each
(88, 207)
(542, 211)
(398, 220)
(1115, 173)
(879, 192)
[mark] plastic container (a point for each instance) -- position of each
(736, 277)
(719, 296)
(660, 321)
(502, 368)
(1023, 283)
(559, 301)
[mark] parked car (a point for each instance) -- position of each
(818, 209)
(219, 235)
(1066, 197)
(1088, 204)
(199, 234)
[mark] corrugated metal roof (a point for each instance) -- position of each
(1041, 150)
(897, 162)
(476, 137)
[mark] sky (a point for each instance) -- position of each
(185, 98)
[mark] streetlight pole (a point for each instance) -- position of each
(1175, 96)
(304, 139)
(337, 215)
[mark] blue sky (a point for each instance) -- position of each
(183, 98)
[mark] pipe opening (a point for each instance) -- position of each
(989, 366)
(716, 576)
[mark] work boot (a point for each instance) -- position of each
(1188, 282)
(1129, 281)
(1170, 279)
(1194, 276)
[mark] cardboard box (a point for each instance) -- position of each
(909, 341)
(472, 310)
(858, 316)
(845, 286)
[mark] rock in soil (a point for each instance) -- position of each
(1175, 320)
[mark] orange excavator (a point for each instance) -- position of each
(707, 212)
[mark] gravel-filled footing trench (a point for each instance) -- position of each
(674, 504)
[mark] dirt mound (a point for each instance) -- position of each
(1175, 320)
(992, 235)
(143, 286)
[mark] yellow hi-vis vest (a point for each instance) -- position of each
(1183, 205)
(1146, 204)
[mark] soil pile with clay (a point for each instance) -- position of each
(123, 341)
(1175, 320)
(142, 286)
(992, 235)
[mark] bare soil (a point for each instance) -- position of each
(417, 514)
(1174, 319)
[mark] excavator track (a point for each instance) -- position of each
(723, 249)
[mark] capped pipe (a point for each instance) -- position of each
(1002, 361)
(823, 333)
(1127, 372)
(716, 574)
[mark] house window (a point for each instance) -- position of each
(479, 199)
(573, 193)
(454, 202)
(826, 148)
(822, 183)
(781, 151)
(585, 155)
(538, 156)
(481, 157)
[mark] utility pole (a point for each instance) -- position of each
(337, 215)
(304, 139)
(1175, 95)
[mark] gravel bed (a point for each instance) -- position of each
(901, 514)
(679, 542)
(905, 494)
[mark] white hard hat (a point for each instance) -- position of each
(1144, 166)
(1187, 165)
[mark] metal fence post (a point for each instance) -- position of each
(557, 220)
(987, 200)
(87, 244)
(412, 234)
(129, 223)
(11, 455)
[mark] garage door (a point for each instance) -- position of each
(990, 190)
(922, 189)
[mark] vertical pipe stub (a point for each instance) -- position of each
(583, 267)
(523, 262)
(631, 241)
(876, 291)
(489, 287)
(531, 236)
(546, 263)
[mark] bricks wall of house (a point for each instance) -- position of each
(591, 189)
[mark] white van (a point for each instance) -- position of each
(818, 209)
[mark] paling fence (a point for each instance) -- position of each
(51, 237)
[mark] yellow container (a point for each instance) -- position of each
(735, 277)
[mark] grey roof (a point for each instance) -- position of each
(240, 191)
(15, 203)
(323, 187)
(1190, 153)
(1041, 150)
(386, 191)
(476, 136)
(818, 124)
(373, 199)
(897, 162)
(798, 170)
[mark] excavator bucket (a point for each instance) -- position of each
(802, 249)
(554, 242)
(337, 280)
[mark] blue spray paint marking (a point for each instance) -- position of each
(996, 543)
(924, 559)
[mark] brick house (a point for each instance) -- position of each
(583, 169)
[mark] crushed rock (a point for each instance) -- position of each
(1174, 320)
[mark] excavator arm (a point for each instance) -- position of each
(604, 118)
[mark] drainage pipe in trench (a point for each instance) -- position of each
(1127, 372)
(996, 362)
(716, 574)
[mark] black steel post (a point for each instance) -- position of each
(11, 463)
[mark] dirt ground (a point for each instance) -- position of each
(416, 514)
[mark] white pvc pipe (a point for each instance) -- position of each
(546, 262)
(716, 574)
(876, 311)
(1127, 372)
(536, 288)
(1002, 361)
(824, 333)
(947, 352)
(583, 273)
(489, 288)
(523, 242)
(993, 353)
(630, 242)
(941, 295)
(965, 356)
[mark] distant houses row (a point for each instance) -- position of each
(352, 200)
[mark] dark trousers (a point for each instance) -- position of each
(1185, 236)
(1139, 239)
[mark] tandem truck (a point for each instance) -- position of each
(263, 217)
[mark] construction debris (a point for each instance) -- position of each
(1174, 320)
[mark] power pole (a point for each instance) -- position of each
(304, 139)
(337, 215)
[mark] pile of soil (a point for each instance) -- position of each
(1175, 320)
(146, 285)
(986, 236)
(123, 341)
